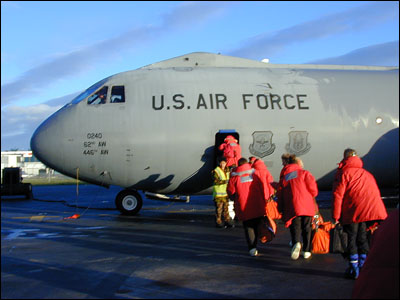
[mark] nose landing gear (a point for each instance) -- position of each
(129, 202)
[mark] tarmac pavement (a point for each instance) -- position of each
(167, 251)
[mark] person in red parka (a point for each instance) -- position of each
(357, 203)
(297, 189)
(285, 161)
(231, 151)
(379, 277)
(246, 189)
(266, 176)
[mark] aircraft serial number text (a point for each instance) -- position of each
(98, 145)
(92, 135)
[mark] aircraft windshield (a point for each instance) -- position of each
(89, 91)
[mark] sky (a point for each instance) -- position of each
(53, 50)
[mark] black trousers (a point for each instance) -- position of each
(300, 229)
(251, 231)
(357, 238)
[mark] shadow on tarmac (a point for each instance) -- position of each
(165, 252)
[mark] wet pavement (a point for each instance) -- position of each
(167, 251)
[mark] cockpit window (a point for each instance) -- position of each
(117, 94)
(99, 97)
(89, 91)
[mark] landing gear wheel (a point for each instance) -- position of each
(129, 202)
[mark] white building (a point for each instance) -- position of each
(25, 160)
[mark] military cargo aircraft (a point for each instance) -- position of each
(158, 128)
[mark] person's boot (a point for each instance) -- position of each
(230, 224)
(219, 225)
(361, 260)
(352, 271)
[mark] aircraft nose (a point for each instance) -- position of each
(39, 144)
(45, 144)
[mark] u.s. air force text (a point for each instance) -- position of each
(221, 101)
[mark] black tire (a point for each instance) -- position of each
(29, 194)
(128, 202)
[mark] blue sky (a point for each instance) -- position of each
(51, 50)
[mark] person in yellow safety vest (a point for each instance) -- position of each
(221, 200)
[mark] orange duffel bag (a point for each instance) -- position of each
(266, 229)
(321, 239)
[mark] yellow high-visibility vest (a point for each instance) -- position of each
(219, 190)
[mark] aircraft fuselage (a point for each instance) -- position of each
(162, 137)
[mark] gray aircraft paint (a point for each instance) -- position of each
(162, 138)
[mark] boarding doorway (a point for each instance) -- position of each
(219, 139)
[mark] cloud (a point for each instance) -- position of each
(191, 13)
(18, 123)
(386, 54)
(352, 20)
(34, 113)
(85, 58)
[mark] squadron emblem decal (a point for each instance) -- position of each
(298, 144)
(262, 143)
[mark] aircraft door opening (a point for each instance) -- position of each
(219, 139)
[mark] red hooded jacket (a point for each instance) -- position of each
(246, 189)
(356, 196)
(266, 177)
(296, 192)
(232, 151)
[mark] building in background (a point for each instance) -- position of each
(25, 160)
